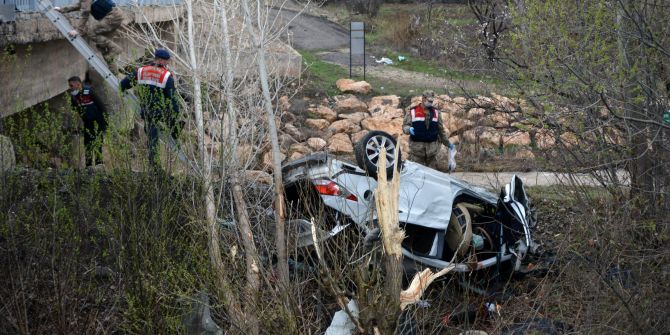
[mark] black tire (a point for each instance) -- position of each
(366, 148)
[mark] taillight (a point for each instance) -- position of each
(329, 187)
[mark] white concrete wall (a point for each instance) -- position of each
(37, 72)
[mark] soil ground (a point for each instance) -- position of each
(311, 29)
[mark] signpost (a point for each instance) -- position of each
(356, 44)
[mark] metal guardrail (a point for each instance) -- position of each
(28, 6)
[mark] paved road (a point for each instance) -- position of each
(310, 32)
(497, 180)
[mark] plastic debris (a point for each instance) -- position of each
(401, 58)
(477, 242)
(493, 308)
(199, 319)
(452, 158)
(423, 303)
(342, 324)
(385, 61)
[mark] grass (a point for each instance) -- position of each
(321, 76)
(416, 64)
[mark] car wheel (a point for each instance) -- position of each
(367, 152)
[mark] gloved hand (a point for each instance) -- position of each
(411, 131)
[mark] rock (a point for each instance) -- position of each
(545, 139)
(444, 98)
(484, 102)
(351, 86)
(288, 117)
(503, 103)
(258, 176)
(393, 127)
(7, 157)
(455, 139)
(452, 108)
(294, 132)
(247, 155)
(300, 148)
(317, 143)
(318, 124)
(613, 136)
(517, 138)
(462, 101)
(456, 125)
(340, 144)
(326, 113)
(286, 141)
(344, 126)
(389, 113)
(347, 104)
(473, 332)
(284, 103)
(569, 139)
(385, 105)
(485, 136)
(267, 160)
(524, 154)
(392, 101)
(475, 114)
(278, 122)
(490, 138)
(358, 136)
(498, 120)
(355, 117)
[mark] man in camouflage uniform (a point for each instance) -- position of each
(108, 18)
(424, 125)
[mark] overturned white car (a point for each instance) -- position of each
(445, 220)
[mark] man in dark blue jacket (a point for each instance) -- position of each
(155, 90)
(93, 117)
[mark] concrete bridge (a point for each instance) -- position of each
(36, 60)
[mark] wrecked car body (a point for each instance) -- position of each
(446, 220)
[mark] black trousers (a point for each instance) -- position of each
(94, 130)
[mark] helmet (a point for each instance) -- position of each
(162, 54)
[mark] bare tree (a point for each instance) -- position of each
(601, 82)
(223, 115)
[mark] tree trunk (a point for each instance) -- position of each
(253, 271)
(228, 297)
(280, 237)
(386, 200)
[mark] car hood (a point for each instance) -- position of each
(427, 196)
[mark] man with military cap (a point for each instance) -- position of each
(155, 89)
(426, 131)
